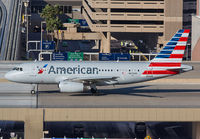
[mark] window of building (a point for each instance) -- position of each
(138, 10)
(37, 9)
(137, 22)
(67, 9)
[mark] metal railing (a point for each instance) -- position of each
(16, 44)
(3, 27)
(95, 56)
(122, 27)
(122, 16)
(12, 26)
(10, 42)
(74, 138)
(142, 56)
(134, 56)
(127, 4)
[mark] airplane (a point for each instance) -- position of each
(74, 76)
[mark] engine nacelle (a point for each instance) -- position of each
(70, 87)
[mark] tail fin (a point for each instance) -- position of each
(172, 54)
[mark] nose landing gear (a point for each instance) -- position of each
(33, 88)
(32, 91)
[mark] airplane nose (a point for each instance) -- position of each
(8, 76)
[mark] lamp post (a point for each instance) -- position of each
(42, 22)
(26, 4)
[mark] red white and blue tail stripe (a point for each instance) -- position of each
(170, 57)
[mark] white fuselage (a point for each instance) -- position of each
(76, 76)
(55, 72)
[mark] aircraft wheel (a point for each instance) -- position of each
(94, 91)
(32, 91)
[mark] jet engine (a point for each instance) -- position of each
(72, 87)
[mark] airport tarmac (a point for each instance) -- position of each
(180, 91)
(16, 95)
(147, 95)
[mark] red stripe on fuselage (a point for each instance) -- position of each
(156, 72)
(176, 56)
(158, 64)
(183, 39)
(180, 48)
(186, 31)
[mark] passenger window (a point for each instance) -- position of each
(18, 69)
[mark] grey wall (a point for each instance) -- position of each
(195, 49)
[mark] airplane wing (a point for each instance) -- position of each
(94, 79)
(90, 79)
(80, 84)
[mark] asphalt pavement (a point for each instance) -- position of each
(180, 91)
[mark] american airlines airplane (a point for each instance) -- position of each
(80, 76)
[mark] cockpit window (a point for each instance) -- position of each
(18, 69)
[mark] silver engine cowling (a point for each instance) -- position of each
(70, 87)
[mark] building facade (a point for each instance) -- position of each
(195, 48)
(152, 22)
(71, 8)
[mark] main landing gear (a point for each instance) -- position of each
(94, 90)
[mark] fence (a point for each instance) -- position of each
(95, 57)
(134, 56)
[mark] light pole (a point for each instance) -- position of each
(26, 4)
(42, 22)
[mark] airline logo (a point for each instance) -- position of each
(42, 69)
(170, 57)
(73, 70)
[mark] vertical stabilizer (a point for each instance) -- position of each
(172, 54)
(169, 60)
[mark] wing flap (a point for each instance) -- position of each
(91, 79)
